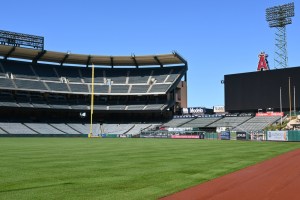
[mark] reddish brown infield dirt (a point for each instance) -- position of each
(274, 179)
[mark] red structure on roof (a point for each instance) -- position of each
(263, 62)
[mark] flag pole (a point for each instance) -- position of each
(290, 98)
(92, 102)
(280, 106)
(294, 100)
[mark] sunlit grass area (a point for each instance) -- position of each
(82, 168)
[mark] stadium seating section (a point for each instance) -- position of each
(71, 128)
(53, 87)
(247, 124)
(235, 123)
(24, 84)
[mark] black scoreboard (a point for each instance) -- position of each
(248, 92)
(21, 40)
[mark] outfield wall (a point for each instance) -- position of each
(277, 136)
(294, 136)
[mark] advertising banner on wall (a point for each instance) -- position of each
(269, 114)
(221, 129)
(179, 129)
(219, 109)
(197, 116)
(241, 135)
(154, 136)
(185, 136)
(225, 135)
(277, 135)
(193, 110)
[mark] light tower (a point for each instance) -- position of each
(278, 17)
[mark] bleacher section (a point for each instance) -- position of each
(177, 122)
(117, 128)
(257, 123)
(107, 128)
(245, 123)
(64, 128)
(71, 128)
(16, 128)
(201, 122)
(230, 121)
(2, 131)
(137, 128)
(82, 128)
(43, 128)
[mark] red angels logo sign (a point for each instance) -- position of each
(263, 62)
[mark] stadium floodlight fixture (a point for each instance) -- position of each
(280, 23)
(278, 17)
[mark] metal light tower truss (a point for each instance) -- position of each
(278, 17)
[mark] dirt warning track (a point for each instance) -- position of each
(277, 178)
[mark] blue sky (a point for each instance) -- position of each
(215, 37)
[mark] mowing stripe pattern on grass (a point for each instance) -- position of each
(82, 168)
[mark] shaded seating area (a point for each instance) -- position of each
(70, 79)
(6, 83)
(30, 85)
(159, 88)
(37, 82)
(18, 69)
(7, 100)
(46, 72)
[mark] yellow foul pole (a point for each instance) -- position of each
(92, 102)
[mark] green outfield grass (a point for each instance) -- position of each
(82, 168)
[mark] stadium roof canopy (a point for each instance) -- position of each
(82, 59)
